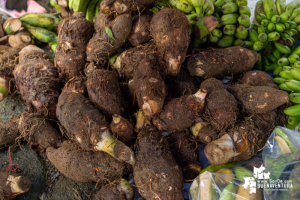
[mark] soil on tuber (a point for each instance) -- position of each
(122, 129)
(184, 149)
(217, 63)
(73, 35)
(257, 78)
(180, 113)
(149, 88)
(37, 80)
(156, 172)
(204, 132)
(109, 39)
(170, 30)
(259, 99)
(9, 131)
(88, 166)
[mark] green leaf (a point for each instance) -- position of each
(109, 32)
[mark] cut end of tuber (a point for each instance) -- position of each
(124, 186)
(115, 148)
(150, 108)
(174, 66)
(199, 72)
(115, 62)
(3, 88)
(140, 120)
(117, 119)
(200, 95)
(18, 184)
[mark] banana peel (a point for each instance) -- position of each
(283, 145)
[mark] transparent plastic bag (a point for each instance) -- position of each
(272, 174)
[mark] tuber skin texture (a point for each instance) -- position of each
(9, 132)
(204, 132)
(102, 46)
(149, 88)
(156, 172)
(37, 80)
(259, 99)
(38, 131)
(180, 113)
(104, 91)
(88, 127)
(127, 62)
(182, 84)
(77, 85)
(117, 190)
(73, 35)
(258, 78)
(140, 33)
(12, 185)
(245, 139)
(122, 129)
(218, 63)
(184, 149)
(101, 21)
(81, 119)
(88, 166)
(123, 6)
(221, 107)
(170, 30)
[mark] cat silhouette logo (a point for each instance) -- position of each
(258, 173)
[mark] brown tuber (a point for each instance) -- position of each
(37, 80)
(184, 149)
(103, 44)
(149, 88)
(259, 99)
(170, 30)
(88, 127)
(122, 129)
(156, 172)
(73, 35)
(218, 63)
(88, 166)
(140, 33)
(123, 6)
(9, 132)
(21, 38)
(204, 132)
(12, 185)
(104, 91)
(180, 113)
(258, 78)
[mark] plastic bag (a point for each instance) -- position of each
(272, 174)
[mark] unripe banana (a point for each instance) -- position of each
(39, 19)
(283, 61)
(226, 41)
(264, 22)
(245, 10)
(229, 19)
(229, 8)
(293, 58)
(282, 48)
(287, 75)
(276, 72)
(284, 17)
(279, 27)
(273, 36)
(229, 29)
(241, 32)
(275, 19)
(263, 37)
(217, 33)
(257, 46)
(253, 35)
(238, 42)
(261, 29)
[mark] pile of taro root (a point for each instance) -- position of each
(102, 116)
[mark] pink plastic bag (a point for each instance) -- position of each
(32, 7)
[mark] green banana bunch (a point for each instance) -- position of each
(241, 32)
(270, 8)
(229, 29)
(245, 10)
(291, 6)
(208, 7)
(280, 4)
(295, 13)
(226, 41)
(259, 9)
(244, 20)
(229, 8)
(229, 19)
(182, 5)
(44, 20)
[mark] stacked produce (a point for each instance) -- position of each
(234, 19)
(272, 33)
(128, 63)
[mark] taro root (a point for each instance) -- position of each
(221, 108)
(9, 132)
(217, 63)
(109, 39)
(246, 139)
(38, 131)
(12, 185)
(259, 99)
(83, 166)
(101, 21)
(156, 172)
(37, 80)
(184, 149)
(204, 132)
(122, 129)
(180, 113)
(88, 127)
(22, 38)
(182, 84)
(258, 78)
(76, 84)
(122, 6)
(140, 33)
(104, 91)
(170, 30)
(73, 35)
(149, 88)
(117, 190)
(127, 62)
